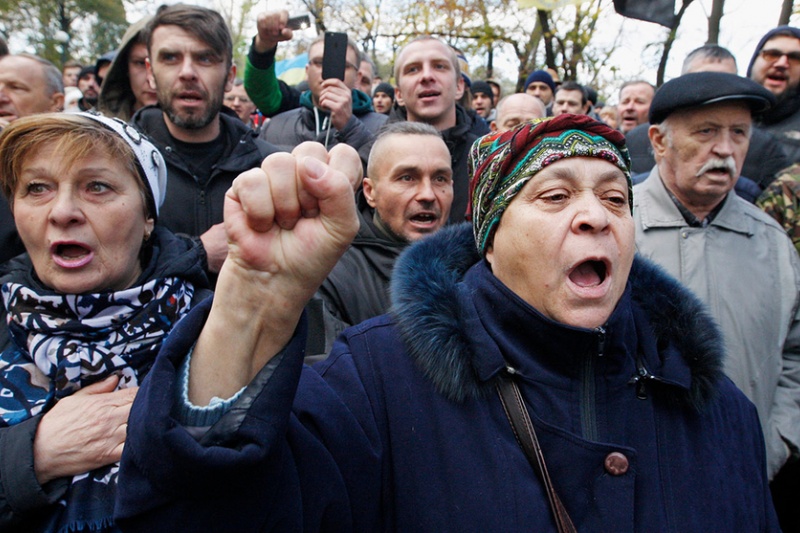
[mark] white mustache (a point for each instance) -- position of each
(727, 163)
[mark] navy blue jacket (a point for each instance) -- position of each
(401, 429)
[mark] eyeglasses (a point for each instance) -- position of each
(772, 55)
(231, 99)
(317, 62)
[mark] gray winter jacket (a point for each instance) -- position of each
(745, 269)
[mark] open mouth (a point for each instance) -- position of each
(190, 97)
(71, 251)
(719, 171)
(589, 274)
(71, 255)
(424, 218)
(428, 94)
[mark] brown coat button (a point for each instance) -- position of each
(616, 464)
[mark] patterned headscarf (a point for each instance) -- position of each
(502, 163)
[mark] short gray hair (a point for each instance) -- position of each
(707, 51)
(52, 76)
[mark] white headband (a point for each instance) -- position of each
(150, 159)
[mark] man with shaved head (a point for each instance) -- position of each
(515, 109)
(406, 195)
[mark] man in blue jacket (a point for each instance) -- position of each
(402, 429)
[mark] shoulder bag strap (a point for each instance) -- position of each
(521, 424)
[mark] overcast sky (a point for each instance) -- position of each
(743, 25)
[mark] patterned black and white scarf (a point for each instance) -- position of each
(64, 342)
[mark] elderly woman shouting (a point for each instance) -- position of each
(83, 312)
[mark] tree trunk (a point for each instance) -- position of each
(662, 66)
(714, 21)
(786, 11)
(64, 23)
(549, 55)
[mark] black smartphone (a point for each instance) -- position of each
(334, 58)
(299, 22)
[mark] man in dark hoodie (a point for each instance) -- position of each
(429, 83)
(776, 66)
(125, 87)
(190, 65)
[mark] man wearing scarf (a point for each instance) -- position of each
(402, 429)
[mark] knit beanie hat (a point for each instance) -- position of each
(482, 87)
(86, 71)
(149, 161)
(385, 88)
(502, 163)
(542, 76)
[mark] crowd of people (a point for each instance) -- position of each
(234, 304)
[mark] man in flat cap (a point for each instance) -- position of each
(737, 260)
(403, 428)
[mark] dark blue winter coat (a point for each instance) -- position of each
(401, 428)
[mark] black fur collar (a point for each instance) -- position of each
(424, 306)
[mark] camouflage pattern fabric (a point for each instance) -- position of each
(781, 201)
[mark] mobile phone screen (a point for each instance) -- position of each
(299, 22)
(334, 58)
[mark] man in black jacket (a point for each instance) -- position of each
(429, 83)
(406, 195)
(191, 67)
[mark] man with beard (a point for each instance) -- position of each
(735, 258)
(87, 83)
(190, 65)
(776, 66)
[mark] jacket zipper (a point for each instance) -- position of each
(588, 418)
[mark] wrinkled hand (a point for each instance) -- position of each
(215, 243)
(83, 431)
(272, 29)
(338, 100)
(293, 217)
(288, 223)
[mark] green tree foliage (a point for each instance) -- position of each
(93, 27)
